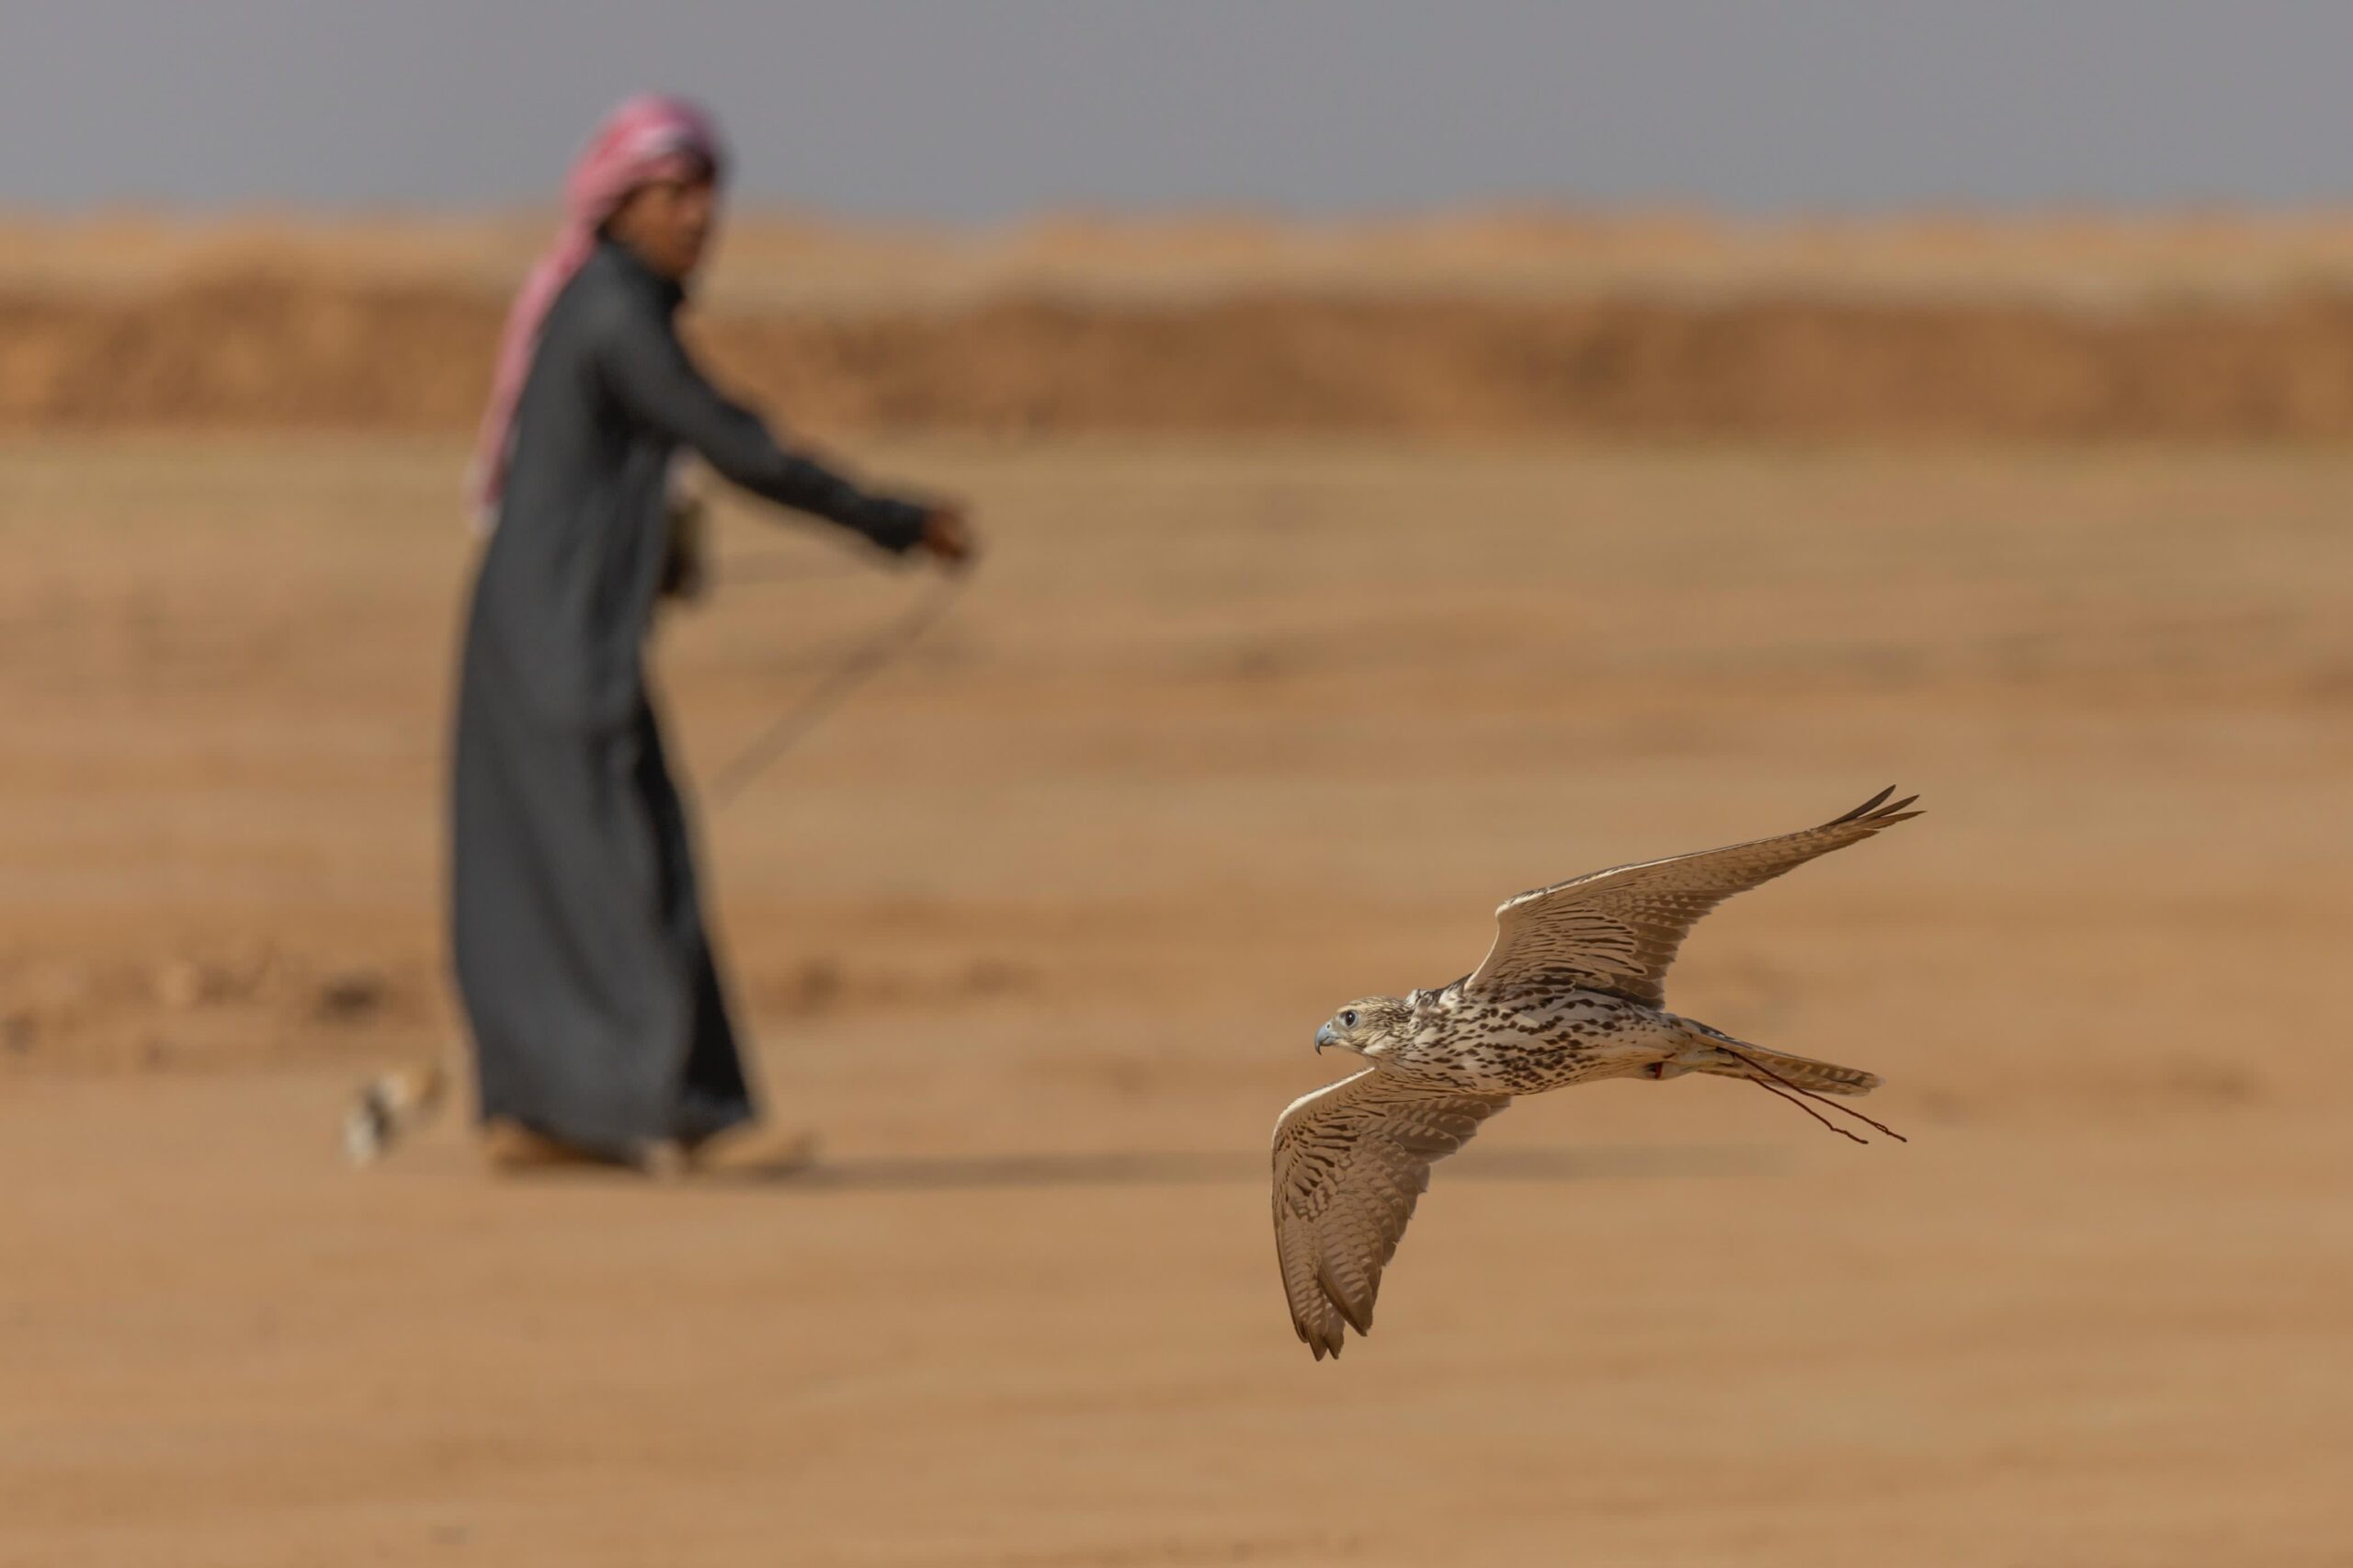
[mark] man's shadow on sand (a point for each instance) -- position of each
(808, 1170)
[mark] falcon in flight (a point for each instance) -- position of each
(1571, 992)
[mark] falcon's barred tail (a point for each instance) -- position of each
(1727, 1057)
(1798, 1072)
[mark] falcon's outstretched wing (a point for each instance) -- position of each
(1351, 1160)
(1618, 930)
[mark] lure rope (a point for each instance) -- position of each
(789, 728)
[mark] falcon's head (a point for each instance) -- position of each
(1371, 1028)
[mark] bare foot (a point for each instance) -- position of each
(766, 1155)
(512, 1150)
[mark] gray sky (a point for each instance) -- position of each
(985, 108)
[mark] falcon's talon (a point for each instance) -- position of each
(1571, 992)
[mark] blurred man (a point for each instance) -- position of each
(599, 1024)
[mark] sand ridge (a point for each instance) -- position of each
(1517, 325)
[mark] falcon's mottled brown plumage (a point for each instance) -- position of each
(1618, 930)
(1350, 1160)
(1571, 991)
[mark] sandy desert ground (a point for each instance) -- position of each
(1035, 935)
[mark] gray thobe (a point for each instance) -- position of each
(582, 957)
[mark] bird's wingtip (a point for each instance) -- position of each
(1878, 812)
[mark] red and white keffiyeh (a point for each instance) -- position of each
(648, 138)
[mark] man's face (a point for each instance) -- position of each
(668, 223)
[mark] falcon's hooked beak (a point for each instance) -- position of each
(1323, 1039)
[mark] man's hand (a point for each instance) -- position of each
(686, 566)
(948, 535)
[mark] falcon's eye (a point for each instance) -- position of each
(1348, 1019)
